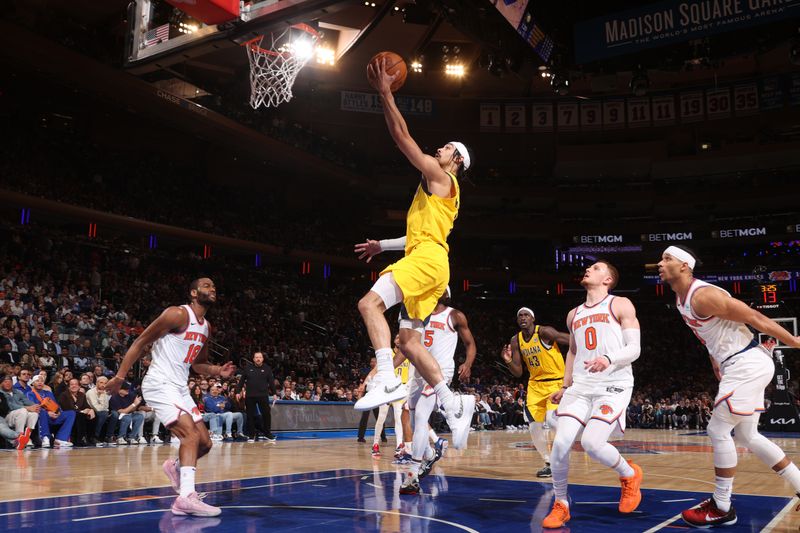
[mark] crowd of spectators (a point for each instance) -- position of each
(69, 308)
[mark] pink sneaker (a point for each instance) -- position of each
(172, 473)
(193, 505)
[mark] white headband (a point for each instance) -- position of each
(462, 150)
(681, 255)
(527, 309)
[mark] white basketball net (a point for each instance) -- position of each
(275, 61)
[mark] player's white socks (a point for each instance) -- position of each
(560, 483)
(384, 357)
(722, 493)
(187, 480)
(408, 447)
(539, 440)
(444, 394)
(623, 468)
(432, 435)
(791, 474)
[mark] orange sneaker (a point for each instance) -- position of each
(557, 517)
(631, 496)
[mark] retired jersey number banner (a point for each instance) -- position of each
(672, 21)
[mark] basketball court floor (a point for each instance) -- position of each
(307, 483)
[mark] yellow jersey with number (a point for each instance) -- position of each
(401, 371)
(430, 218)
(543, 363)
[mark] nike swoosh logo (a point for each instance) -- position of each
(193, 323)
(388, 390)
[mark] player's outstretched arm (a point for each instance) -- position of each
(512, 357)
(398, 129)
(370, 248)
(708, 301)
(171, 319)
(552, 336)
(461, 325)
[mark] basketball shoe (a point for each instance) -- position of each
(22, 440)
(193, 505)
(631, 496)
(171, 470)
(410, 483)
(459, 416)
(376, 450)
(545, 471)
(385, 389)
(707, 515)
(557, 517)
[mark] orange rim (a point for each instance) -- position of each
(253, 43)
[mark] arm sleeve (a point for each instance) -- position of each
(393, 244)
(629, 353)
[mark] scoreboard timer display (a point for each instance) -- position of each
(768, 294)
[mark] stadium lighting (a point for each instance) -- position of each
(303, 48)
(326, 56)
(455, 69)
(416, 66)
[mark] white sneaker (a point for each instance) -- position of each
(156, 440)
(122, 442)
(459, 416)
(63, 444)
(142, 440)
(46, 442)
(385, 389)
(215, 436)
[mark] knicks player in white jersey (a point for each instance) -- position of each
(180, 341)
(598, 381)
(445, 327)
(744, 367)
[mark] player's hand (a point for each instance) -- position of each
(506, 354)
(377, 76)
(368, 249)
(598, 364)
(226, 370)
(113, 385)
(464, 372)
(556, 396)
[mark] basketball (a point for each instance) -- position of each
(395, 66)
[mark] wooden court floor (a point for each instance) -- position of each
(671, 459)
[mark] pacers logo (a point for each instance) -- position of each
(606, 409)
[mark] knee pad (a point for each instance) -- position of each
(719, 432)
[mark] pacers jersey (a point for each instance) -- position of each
(174, 353)
(722, 338)
(441, 339)
(430, 218)
(597, 332)
(543, 363)
(401, 371)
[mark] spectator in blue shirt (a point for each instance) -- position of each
(22, 380)
(130, 420)
(51, 415)
(221, 405)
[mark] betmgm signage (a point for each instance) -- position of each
(669, 22)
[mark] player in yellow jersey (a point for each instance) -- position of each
(538, 347)
(420, 277)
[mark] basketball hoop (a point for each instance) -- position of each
(275, 61)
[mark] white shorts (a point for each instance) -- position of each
(418, 387)
(170, 401)
(607, 403)
(744, 378)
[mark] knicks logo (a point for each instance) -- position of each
(606, 409)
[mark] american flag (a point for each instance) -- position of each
(157, 35)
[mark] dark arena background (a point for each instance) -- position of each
(148, 143)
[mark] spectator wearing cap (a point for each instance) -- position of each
(22, 413)
(215, 402)
(51, 415)
(73, 399)
(130, 420)
(98, 401)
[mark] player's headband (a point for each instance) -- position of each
(462, 150)
(681, 255)
(527, 310)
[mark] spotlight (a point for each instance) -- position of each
(456, 70)
(326, 56)
(640, 83)
(416, 66)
